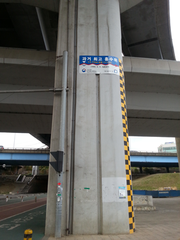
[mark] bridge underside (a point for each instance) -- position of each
(152, 91)
(92, 144)
(41, 158)
(147, 35)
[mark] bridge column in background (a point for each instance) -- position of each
(97, 164)
(35, 170)
(178, 150)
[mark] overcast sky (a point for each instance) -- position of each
(152, 143)
(11, 140)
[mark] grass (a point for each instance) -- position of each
(155, 181)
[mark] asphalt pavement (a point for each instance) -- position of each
(160, 224)
(12, 228)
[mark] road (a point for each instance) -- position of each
(17, 216)
(163, 223)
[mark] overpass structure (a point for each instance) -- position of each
(94, 148)
(149, 83)
(24, 157)
(41, 158)
(151, 74)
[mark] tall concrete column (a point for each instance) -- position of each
(178, 150)
(99, 141)
(96, 161)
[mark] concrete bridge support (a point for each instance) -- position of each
(96, 169)
(178, 150)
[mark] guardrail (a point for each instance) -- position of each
(9, 197)
(158, 194)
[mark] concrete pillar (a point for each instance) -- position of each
(97, 167)
(65, 31)
(35, 170)
(178, 150)
(99, 142)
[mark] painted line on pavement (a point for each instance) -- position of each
(22, 212)
(24, 205)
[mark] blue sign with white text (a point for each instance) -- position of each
(99, 64)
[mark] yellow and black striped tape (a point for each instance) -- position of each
(126, 149)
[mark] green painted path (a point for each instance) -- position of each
(13, 228)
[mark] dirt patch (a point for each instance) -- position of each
(7, 187)
(8, 184)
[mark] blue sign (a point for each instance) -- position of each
(99, 64)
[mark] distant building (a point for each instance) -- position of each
(167, 147)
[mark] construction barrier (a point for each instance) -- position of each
(28, 234)
(158, 194)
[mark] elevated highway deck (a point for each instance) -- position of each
(41, 158)
(152, 91)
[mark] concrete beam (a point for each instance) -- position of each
(46, 4)
(152, 75)
(152, 66)
(127, 4)
(26, 122)
(153, 102)
(154, 127)
(178, 150)
(27, 67)
(27, 57)
(39, 98)
(149, 83)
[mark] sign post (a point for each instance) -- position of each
(59, 154)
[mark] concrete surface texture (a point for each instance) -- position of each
(144, 79)
(96, 168)
(86, 28)
(161, 224)
(148, 37)
(127, 4)
(47, 4)
(98, 127)
(178, 150)
(143, 200)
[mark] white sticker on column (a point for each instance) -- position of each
(114, 189)
(122, 192)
